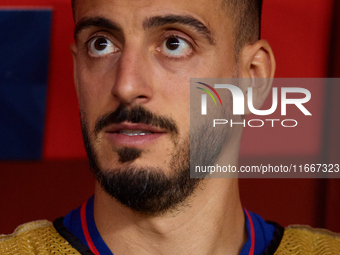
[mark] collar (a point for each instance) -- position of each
(80, 223)
(260, 234)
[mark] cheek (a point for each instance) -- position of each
(176, 89)
(94, 91)
(95, 75)
(176, 100)
(174, 81)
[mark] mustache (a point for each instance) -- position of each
(136, 114)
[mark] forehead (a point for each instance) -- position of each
(134, 12)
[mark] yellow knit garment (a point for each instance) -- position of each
(40, 237)
(306, 240)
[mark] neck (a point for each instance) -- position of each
(213, 223)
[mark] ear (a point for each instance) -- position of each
(73, 49)
(258, 63)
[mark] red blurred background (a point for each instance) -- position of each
(303, 34)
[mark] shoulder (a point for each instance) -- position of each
(299, 239)
(38, 237)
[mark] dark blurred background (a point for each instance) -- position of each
(51, 177)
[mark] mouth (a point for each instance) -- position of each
(130, 132)
(133, 135)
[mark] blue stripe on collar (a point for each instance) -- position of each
(92, 228)
(263, 234)
(73, 223)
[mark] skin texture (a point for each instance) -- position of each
(139, 71)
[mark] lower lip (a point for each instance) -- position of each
(136, 140)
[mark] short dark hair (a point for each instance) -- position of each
(73, 3)
(246, 17)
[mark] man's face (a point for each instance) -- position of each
(133, 64)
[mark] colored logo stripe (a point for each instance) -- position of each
(212, 89)
(206, 91)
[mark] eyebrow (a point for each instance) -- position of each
(159, 21)
(149, 23)
(85, 23)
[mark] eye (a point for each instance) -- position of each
(176, 47)
(100, 46)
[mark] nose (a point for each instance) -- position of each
(133, 79)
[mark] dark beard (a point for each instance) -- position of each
(128, 154)
(147, 190)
